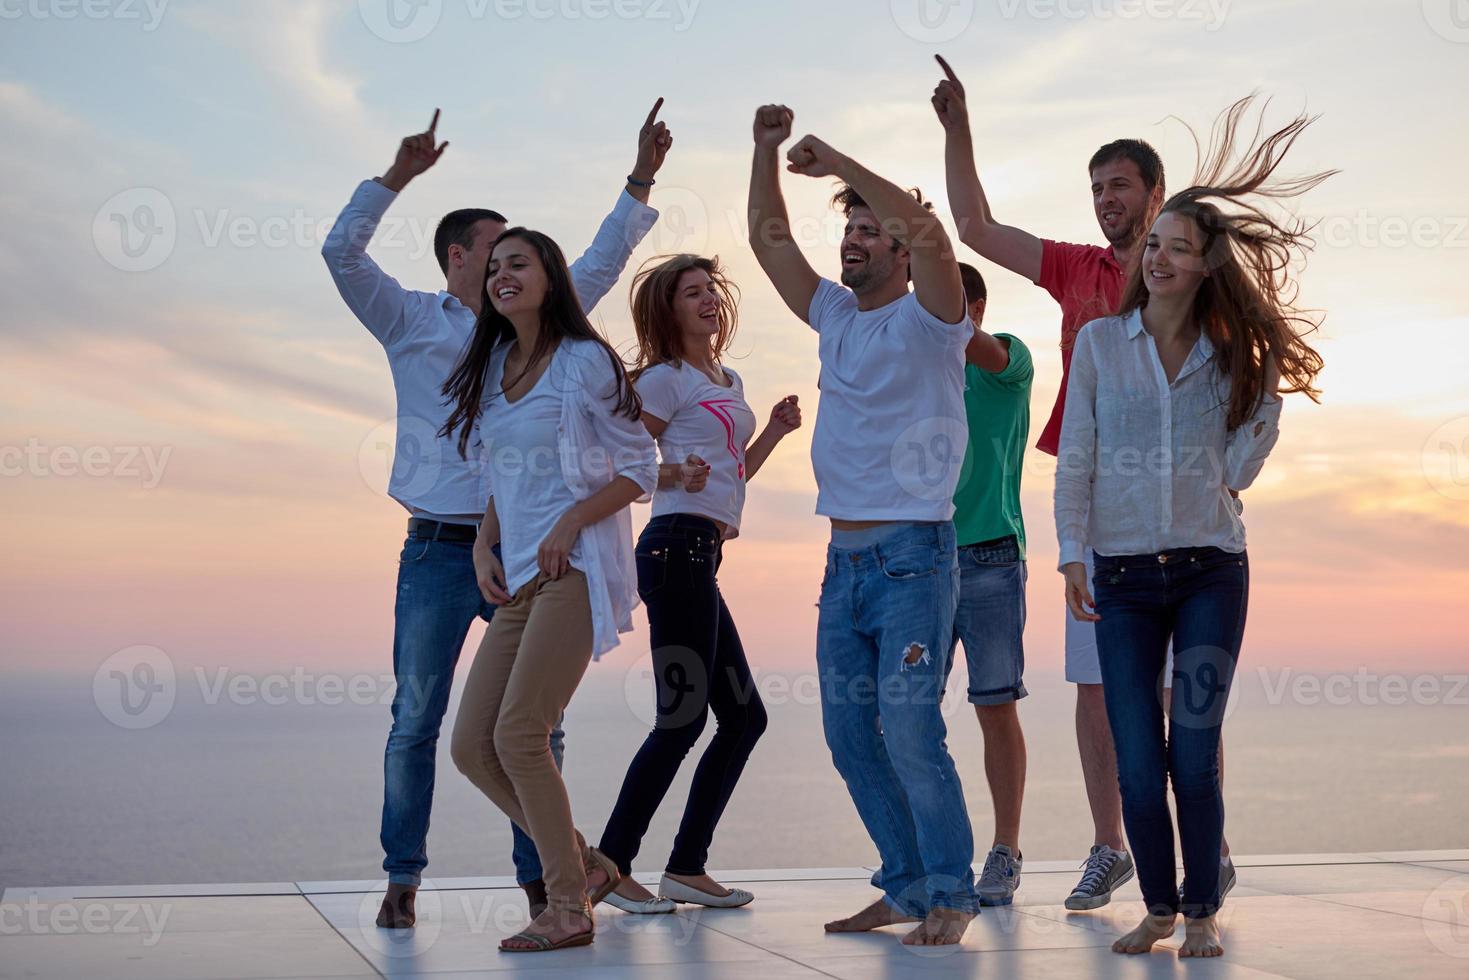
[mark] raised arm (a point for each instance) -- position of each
(1015, 249)
(373, 296)
(597, 270)
(934, 269)
(770, 225)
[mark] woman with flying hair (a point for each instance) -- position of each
(555, 425)
(1173, 407)
(684, 311)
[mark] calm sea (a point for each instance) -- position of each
(251, 789)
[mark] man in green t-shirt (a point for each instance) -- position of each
(990, 530)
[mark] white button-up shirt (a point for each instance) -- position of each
(1144, 465)
(594, 445)
(424, 334)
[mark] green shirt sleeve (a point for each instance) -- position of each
(1020, 372)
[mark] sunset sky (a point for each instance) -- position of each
(192, 433)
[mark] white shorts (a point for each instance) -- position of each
(1082, 666)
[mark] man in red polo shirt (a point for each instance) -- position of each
(1087, 280)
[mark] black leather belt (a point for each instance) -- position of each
(420, 527)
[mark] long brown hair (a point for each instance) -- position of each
(660, 338)
(561, 317)
(1247, 303)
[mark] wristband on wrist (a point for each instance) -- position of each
(640, 183)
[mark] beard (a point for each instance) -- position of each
(870, 273)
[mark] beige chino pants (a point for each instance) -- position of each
(529, 664)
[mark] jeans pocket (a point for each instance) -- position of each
(914, 561)
(1107, 571)
(652, 563)
(415, 550)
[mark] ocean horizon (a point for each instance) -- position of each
(262, 778)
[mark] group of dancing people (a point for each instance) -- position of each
(1178, 339)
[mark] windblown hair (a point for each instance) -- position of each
(846, 200)
(1247, 303)
(660, 338)
(561, 318)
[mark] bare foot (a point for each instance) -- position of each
(556, 924)
(703, 883)
(629, 889)
(596, 878)
(397, 911)
(1148, 932)
(1201, 937)
(875, 916)
(943, 927)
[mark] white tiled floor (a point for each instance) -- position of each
(1321, 915)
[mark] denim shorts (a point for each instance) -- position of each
(990, 620)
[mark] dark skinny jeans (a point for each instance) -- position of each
(1198, 596)
(699, 667)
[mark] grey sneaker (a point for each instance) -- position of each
(1106, 870)
(1000, 877)
(1227, 878)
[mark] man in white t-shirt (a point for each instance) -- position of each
(887, 450)
(438, 596)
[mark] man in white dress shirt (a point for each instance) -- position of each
(438, 596)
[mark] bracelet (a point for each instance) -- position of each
(640, 183)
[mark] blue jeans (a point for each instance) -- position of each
(1198, 596)
(438, 599)
(882, 647)
(990, 620)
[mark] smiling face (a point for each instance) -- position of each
(516, 277)
(870, 256)
(695, 304)
(1172, 264)
(1121, 199)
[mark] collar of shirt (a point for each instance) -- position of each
(1197, 358)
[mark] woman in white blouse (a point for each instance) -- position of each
(1172, 408)
(684, 310)
(563, 453)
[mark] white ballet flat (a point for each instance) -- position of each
(688, 895)
(650, 906)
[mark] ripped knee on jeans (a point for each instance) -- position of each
(917, 653)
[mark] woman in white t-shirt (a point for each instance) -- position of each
(684, 310)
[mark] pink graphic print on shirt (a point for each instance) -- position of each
(719, 408)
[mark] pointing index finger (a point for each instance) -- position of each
(434, 124)
(653, 113)
(948, 71)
